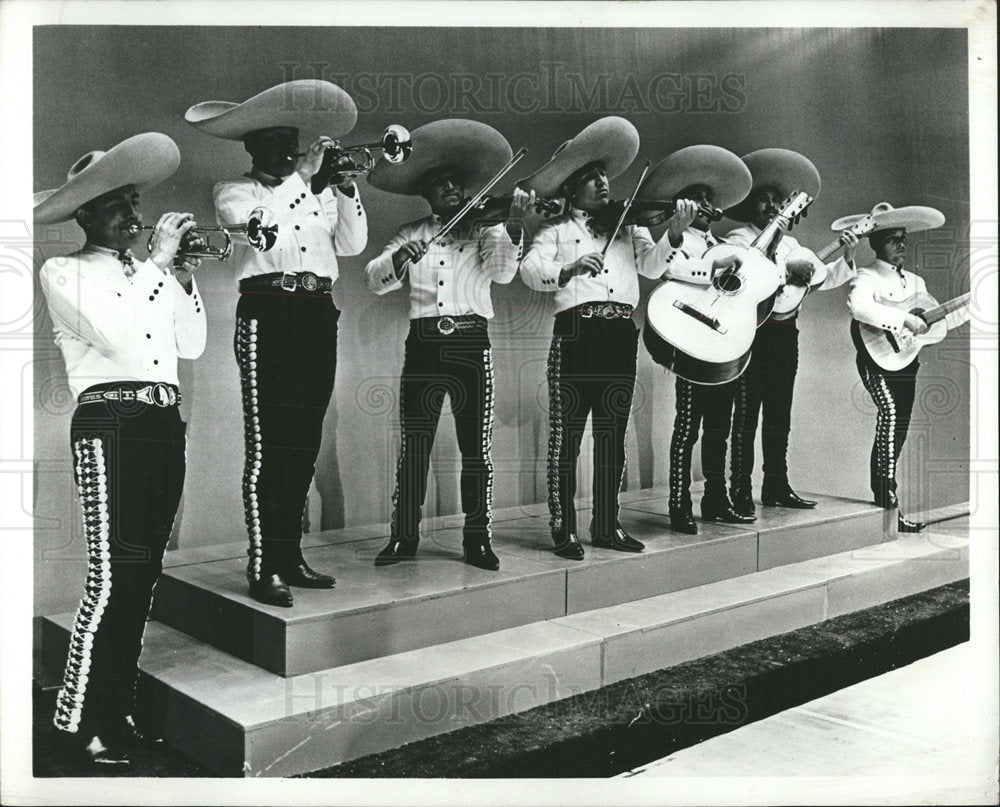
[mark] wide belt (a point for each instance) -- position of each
(159, 394)
(449, 325)
(601, 311)
(306, 282)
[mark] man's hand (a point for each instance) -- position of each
(184, 268)
(522, 205)
(167, 235)
(410, 252)
(590, 264)
(313, 159)
(915, 324)
(730, 263)
(850, 242)
(799, 271)
(685, 212)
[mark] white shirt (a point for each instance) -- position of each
(686, 262)
(562, 240)
(881, 283)
(312, 229)
(838, 272)
(112, 328)
(453, 277)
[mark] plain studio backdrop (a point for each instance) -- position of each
(881, 112)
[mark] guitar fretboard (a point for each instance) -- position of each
(943, 310)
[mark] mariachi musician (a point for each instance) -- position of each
(880, 297)
(591, 267)
(121, 324)
(768, 381)
(698, 178)
(447, 351)
(286, 321)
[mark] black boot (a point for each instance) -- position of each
(619, 540)
(92, 750)
(741, 491)
(271, 589)
(715, 506)
(395, 551)
(779, 493)
(303, 576)
(682, 520)
(568, 546)
(481, 556)
(905, 525)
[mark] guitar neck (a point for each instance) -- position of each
(829, 250)
(767, 241)
(943, 310)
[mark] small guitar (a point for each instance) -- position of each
(791, 295)
(894, 351)
(704, 333)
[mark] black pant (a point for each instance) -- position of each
(459, 366)
(591, 371)
(766, 384)
(286, 348)
(709, 407)
(129, 470)
(893, 393)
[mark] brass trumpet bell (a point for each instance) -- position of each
(350, 162)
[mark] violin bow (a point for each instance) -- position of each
(625, 209)
(445, 229)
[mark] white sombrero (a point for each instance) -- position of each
(612, 141)
(143, 160)
(912, 218)
(478, 150)
(782, 169)
(312, 106)
(725, 174)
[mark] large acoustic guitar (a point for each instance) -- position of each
(791, 295)
(704, 333)
(894, 351)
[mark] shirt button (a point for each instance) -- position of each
(442, 263)
(155, 361)
(440, 305)
(611, 290)
(460, 249)
(297, 227)
(151, 298)
(605, 271)
(292, 206)
(440, 282)
(302, 248)
(148, 336)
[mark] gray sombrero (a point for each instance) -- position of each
(143, 160)
(475, 148)
(712, 166)
(312, 106)
(611, 140)
(912, 218)
(782, 169)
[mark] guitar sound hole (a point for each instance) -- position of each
(728, 282)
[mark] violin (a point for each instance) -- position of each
(496, 209)
(646, 213)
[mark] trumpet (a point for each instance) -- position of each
(395, 145)
(260, 229)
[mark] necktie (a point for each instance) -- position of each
(128, 262)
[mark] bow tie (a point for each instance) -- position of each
(128, 262)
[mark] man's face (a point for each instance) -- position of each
(701, 194)
(890, 246)
(274, 150)
(588, 188)
(765, 204)
(106, 220)
(444, 191)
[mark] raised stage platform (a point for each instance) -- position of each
(401, 653)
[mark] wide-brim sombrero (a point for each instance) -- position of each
(912, 218)
(312, 106)
(612, 141)
(476, 149)
(143, 160)
(782, 169)
(718, 169)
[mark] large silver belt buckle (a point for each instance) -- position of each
(289, 282)
(446, 325)
(158, 394)
(309, 281)
(608, 312)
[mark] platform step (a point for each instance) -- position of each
(239, 719)
(437, 598)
